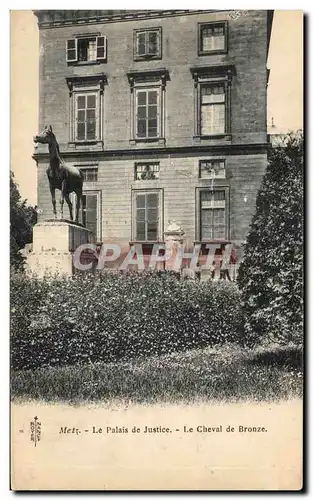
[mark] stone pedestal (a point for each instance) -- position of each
(54, 242)
(173, 236)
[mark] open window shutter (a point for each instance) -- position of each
(71, 50)
(101, 48)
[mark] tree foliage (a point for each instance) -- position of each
(22, 219)
(270, 274)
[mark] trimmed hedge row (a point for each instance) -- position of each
(117, 316)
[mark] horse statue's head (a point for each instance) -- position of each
(46, 136)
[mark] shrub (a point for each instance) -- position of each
(270, 274)
(117, 317)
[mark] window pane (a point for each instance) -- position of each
(81, 114)
(152, 111)
(141, 128)
(152, 231)
(141, 214)
(142, 111)
(210, 94)
(152, 97)
(91, 130)
(153, 42)
(141, 200)
(71, 54)
(152, 200)
(142, 98)
(71, 44)
(140, 231)
(212, 38)
(81, 102)
(152, 128)
(141, 44)
(213, 119)
(91, 115)
(91, 101)
(80, 131)
(152, 214)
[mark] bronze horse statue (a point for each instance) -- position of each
(64, 177)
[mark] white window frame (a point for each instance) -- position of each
(225, 204)
(99, 45)
(147, 55)
(136, 192)
(83, 86)
(97, 129)
(159, 112)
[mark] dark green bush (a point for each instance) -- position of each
(118, 316)
(271, 273)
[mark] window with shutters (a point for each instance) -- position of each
(86, 49)
(148, 44)
(90, 213)
(147, 216)
(212, 38)
(212, 214)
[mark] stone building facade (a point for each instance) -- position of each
(165, 112)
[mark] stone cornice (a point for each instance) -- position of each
(61, 18)
(218, 149)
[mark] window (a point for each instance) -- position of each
(80, 50)
(213, 215)
(212, 169)
(147, 44)
(90, 213)
(90, 174)
(147, 113)
(147, 105)
(86, 108)
(86, 117)
(147, 220)
(212, 100)
(212, 38)
(212, 109)
(147, 171)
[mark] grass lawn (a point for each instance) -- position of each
(227, 373)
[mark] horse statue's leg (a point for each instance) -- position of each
(69, 204)
(79, 196)
(63, 194)
(52, 191)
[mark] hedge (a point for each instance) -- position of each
(117, 317)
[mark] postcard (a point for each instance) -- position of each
(156, 250)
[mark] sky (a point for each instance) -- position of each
(285, 89)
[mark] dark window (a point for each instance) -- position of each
(147, 216)
(86, 117)
(147, 44)
(147, 112)
(147, 171)
(212, 215)
(89, 212)
(212, 37)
